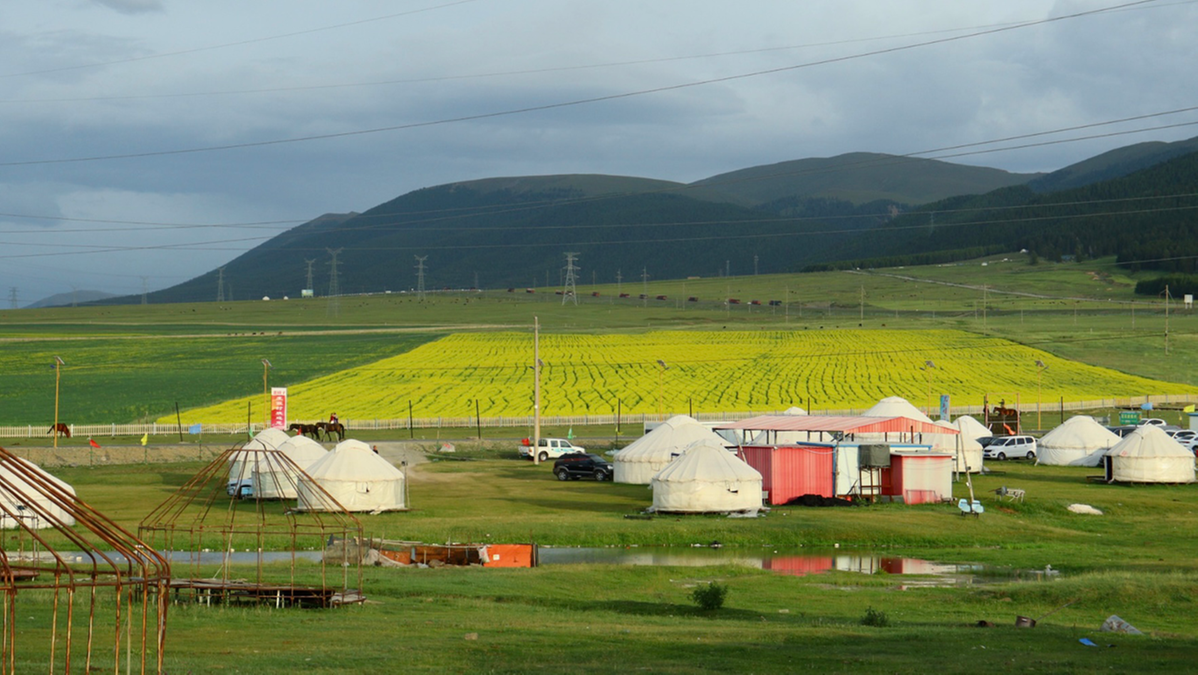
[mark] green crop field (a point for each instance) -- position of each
(706, 371)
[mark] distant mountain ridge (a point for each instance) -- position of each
(71, 298)
(513, 231)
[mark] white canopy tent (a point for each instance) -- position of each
(279, 482)
(643, 458)
(707, 478)
(31, 504)
(357, 478)
(1079, 441)
(1148, 455)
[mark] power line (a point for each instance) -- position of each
(582, 101)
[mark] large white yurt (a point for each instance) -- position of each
(1080, 441)
(967, 450)
(1148, 455)
(643, 458)
(972, 428)
(706, 478)
(896, 406)
(278, 480)
(242, 465)
(357, 478)
(32, 506)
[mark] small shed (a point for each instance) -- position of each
(789, 471)
(919, 478)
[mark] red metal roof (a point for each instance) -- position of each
(834, 424)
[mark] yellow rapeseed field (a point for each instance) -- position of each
(714, 371)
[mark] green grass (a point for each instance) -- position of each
(1137, 561)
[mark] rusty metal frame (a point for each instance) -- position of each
(97, 581)
(201, 527)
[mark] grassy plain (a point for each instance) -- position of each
(1137, 560)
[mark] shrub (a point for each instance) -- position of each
(710, 597)
(875, 618)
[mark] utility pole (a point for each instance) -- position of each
(727, 268)
(334, 308)
(220, 284)
(536, 401)
(1166, 320)
(754, 264)
(420, 277)
(645, 284)
(570, 290)
(861, 315)
(619, 280)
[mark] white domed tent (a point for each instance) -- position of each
(1080, 441)
(242, 465)
(969, 454)
(972, 428)
(896, 406)
(1148, 455)
(279, 482)
(357, 478)
(707, 478)
(643, 458)
(31, 503)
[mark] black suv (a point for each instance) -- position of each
(579, 464)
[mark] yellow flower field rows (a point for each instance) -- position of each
(711, 371)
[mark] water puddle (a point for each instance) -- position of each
(926, 572)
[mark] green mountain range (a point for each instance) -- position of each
(514, 232)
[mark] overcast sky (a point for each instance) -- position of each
(93, 81)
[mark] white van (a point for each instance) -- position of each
(1015, 447)
(549, 448)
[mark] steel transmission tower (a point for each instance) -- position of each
(334, 308)
(144, 290)
(570, 291)
(220, 284)
(309, 285)
(420, 277)
(12, 298)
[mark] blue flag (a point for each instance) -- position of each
(194, 429)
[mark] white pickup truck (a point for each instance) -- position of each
(548, 448)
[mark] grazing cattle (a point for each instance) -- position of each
(330, 428)
(61, 429)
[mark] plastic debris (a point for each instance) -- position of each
(1114, 624)
(1084, 509)
(1087, 642)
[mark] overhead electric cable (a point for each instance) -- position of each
(576, 102)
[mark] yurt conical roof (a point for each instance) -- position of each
(794, 410)
(972, 428)
(1079, 441)
(896, 406)
(243, 464)
(968, 451)
(279, 480)
(644, 457)
(1148, 455)
(706, 478)
(357, 478)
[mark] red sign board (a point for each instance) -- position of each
(278, 407)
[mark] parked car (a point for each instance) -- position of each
(582, 465)
(549, 448)
(1002, 447)
(1152, 422)
(241, 489)
(1180, 435)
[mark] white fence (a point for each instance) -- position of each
(635, 421)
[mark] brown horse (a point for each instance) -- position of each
(61, 429)
(312, 430)
(330, 428)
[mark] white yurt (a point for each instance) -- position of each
(32, 504)
(278, 480)
(972, 428)
(967, 450)
(896, 406)
(357, 478)
(643, 458)
(1080, 441)
(242, 465)
(794, 410)
(1148, 455)
(706, 478)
